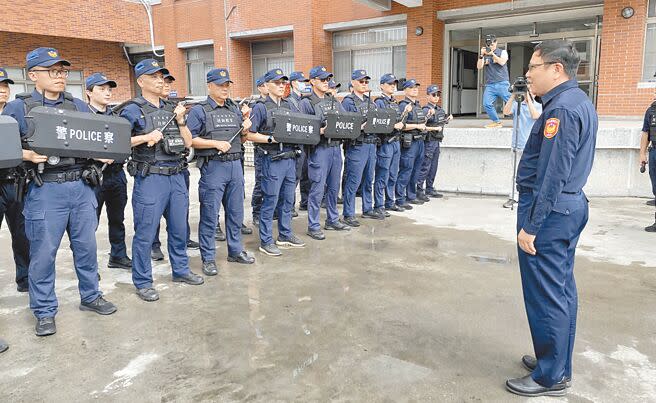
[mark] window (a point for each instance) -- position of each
(199, 62)
(74, 84)
(649, 65)
(269, 55)
(377, 50)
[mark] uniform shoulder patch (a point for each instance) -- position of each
(551, 127)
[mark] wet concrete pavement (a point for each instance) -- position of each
(425, 306)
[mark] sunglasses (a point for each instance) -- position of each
(363, 81)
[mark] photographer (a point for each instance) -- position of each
(494, 60)
(530, 111)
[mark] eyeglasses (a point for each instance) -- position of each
(363, 81)
(57, 73)
(533, 66)
(324, 80)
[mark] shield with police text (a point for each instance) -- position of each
(62, 133)
(295, 128)
(11, 153)
(343, 125)
(380, 121)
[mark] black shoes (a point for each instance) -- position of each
(243, 258)
(406, 206)
(396, 208)
(526, 386)
(148, 294)
(421, 196)
(122, 262)
(190, 278)
(340, 200)
(351, 222)
(246, 230)
(509, 203)
(23, 287)
(45, 327)
(210, 269)
(651, 202)
(415, 201)
(192, 244)
(317, 235)
(270, 249)
(373, 214)
(100, 306)
(651, 228)
(291, 242)
(218, 234)
(3, 346)
(434, 194)
(294, 213)
(302, 207)
(336, 226)
(156, 254)
(530, 362)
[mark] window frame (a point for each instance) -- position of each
(202, 60)
(650, 78)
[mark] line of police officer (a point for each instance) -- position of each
(67, 194)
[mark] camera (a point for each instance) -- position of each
(519, 88)
(489, 39)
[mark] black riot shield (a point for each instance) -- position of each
(11, 153)
(295, 128)
(343, 125)
(62, 133)
(380, 121)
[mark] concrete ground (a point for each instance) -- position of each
(425, 306)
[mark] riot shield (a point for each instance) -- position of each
(380, 121)
(62, 133)
(295, 128)
(343, 125)
(11, 153)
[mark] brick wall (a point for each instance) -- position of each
(622, 47)
(87, 55)
(107, 20)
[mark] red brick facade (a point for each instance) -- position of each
(92, 41)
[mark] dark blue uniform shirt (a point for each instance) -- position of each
(645, 122)
(259, 114)
(16, 108)
(196, 117)
(349, 104)
(560, 150)
(306, 107)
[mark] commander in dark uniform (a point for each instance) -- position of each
(553, 210)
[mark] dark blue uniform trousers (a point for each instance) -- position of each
(652, 169)
(428, 169)
(256, 198)
(384, 156)
(220, 182)
(50, 210)
(549, 287)
(154, 196)
(360, 168)
(302, 176)
(390, 190)
(114, 193)
(157, 243)
(409, 166)
(278, 178)
(12, 210)
(325, 172)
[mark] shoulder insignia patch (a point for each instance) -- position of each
(551, 127)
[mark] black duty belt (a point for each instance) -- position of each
(160, 169)
(329, 142)
(227, 157)
(114, 168)
(61, 177)
(418, 136)
(284, 155)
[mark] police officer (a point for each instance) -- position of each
(389, 151)
(434, 136)
(159, 184)
(114, 189)
(278, 167)
(156, 251)
(62, 202)
(648, 152)
(360, 155)
(216, 125)
(412, 146)
(324, 160)
(10, 205)
(552, 212)
(497, 81)
(299, 87)
(257, 196)
(333, 88)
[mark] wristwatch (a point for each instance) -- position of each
(270, 139)
(184, 121)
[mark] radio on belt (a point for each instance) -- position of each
(63, 133)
